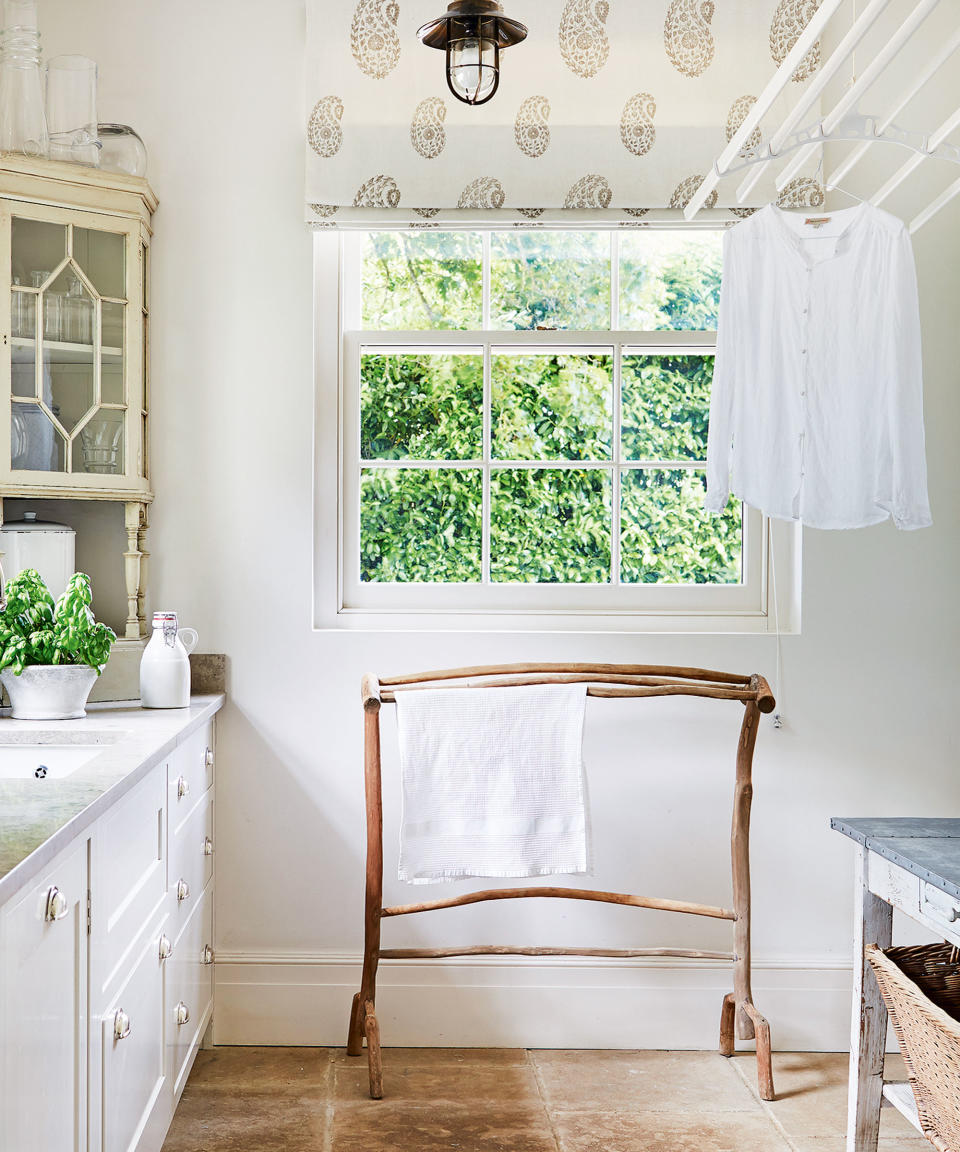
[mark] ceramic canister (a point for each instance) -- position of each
(33, 543)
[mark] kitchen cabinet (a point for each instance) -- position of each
(43, 1010)
(106, 969)
(74, 368)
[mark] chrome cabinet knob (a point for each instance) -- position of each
(208, 758)
(207, 846)
(166, 948)
(183, 788)
(121, 1025)
(182, 1013)
(183, 890)
(206, 956)
(57, 905)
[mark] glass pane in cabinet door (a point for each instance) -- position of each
(102, 256)
(111, 352)
(99, 447)
(37, 246)
(68, 364)
(35, 443)
(23, 370)
(23, 313)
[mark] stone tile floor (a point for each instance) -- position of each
(512, 1100)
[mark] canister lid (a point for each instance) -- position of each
(30, 523)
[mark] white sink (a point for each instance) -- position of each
(23, 761)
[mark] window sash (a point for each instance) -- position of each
(747, 597)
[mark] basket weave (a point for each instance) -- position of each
(921, 989)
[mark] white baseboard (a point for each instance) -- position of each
(562, 1002)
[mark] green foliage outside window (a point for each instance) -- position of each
(546, 524)
(420, 525)
(550, 526)
(421, 406)
(552, 407)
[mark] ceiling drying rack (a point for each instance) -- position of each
(842, 123)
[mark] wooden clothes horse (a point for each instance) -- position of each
(739, 1017)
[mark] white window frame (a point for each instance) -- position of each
(771, 549)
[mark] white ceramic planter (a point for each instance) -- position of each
(49, 691)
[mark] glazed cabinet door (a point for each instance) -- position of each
(43, 1021)
(73, 320)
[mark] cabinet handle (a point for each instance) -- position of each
(121, 1025)
(166, 948)
(207, 846)
(57, 906)
(183, 890)
(183, 788)
(208, 758)
(182, 1013)
(206, 956)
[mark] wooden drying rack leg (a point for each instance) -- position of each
(363, 1017)
(739, 1016)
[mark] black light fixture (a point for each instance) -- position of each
(472, 33)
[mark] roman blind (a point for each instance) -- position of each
(611, 110)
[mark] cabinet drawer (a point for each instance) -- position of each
(942, 909)
(189, 975)
(190, 775)
(129, 883)
(43, 1010)
(191, 863)
(132, 1046)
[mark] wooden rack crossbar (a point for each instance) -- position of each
(563, 894)
(739, 1016)
(512, 950)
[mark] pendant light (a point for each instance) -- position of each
(472, 33)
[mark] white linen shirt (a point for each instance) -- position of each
(816, 412)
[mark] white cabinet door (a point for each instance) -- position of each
(43, 977)
(189, 989)
(132, 1047)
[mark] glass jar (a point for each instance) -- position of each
(72, 109)
(122, 150)
(23, 122)
(77, 319)
(52, 306)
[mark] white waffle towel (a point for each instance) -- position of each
(492, 782)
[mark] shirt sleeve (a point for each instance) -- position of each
(720, 436)
(911, 508)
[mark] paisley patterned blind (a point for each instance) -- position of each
(611, 110)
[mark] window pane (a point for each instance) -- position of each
(666, 535)
(420, 525)
(669, 280)
(550, 280)
(550, 526)
(551, 407)
(666, 407)
(421, 406)
(422, 280)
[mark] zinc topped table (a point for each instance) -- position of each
(912, 864)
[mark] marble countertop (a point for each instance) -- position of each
(38, 818)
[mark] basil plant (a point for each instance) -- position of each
(35, 630)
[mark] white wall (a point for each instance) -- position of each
(870, 685)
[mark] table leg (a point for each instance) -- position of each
(873, 924)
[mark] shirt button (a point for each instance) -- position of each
(803, 391)
(803, 351)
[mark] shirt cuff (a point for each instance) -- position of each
(909, 519)
(716, 501)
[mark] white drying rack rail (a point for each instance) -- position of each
(841, 123)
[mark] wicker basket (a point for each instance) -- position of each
(921, 989)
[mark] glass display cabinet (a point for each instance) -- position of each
(74, 310)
